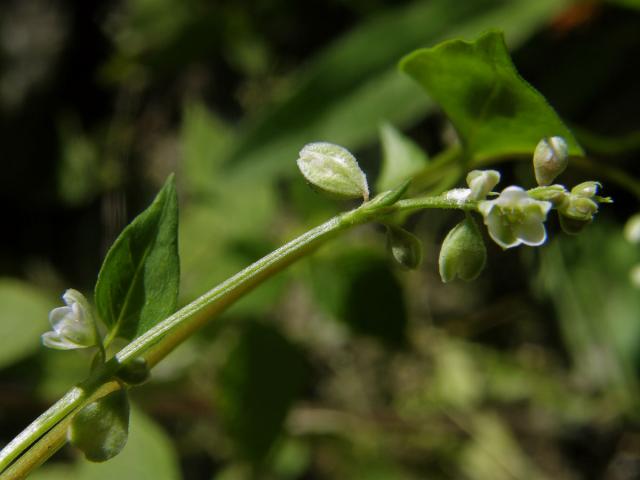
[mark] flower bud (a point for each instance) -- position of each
(463, 254)
(333, 169)
(550, 159)
(481, 182)
(556, 194)
(586, 189)
(405, 248)
(576, 213)
(73, 325)
(578, 208)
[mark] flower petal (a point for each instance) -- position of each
(500, 230)
(512, 196)
(52, 340)
(531, 233)
(58, 316)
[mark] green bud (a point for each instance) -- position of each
(463, 253)
(550, 159)
(405, 248)
(556, 194)
(578, 208)
(134, 372)
(481, 182)
(576, 213)
(586, 189)
(101, 428)
(333, 169)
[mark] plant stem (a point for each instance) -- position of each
(48, 432)
(51, 442)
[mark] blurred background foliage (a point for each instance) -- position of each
(343, 366)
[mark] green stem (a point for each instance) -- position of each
(40, 425)
(51, 442)
(159, 341)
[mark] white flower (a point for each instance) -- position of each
(72, 325)
(515, 218)
(481, 182)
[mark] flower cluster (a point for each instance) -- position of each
(517, 216)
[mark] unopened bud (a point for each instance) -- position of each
(550, 159)
(463, 254)
(576, 213)
(586, 189)
(481, 182)
(579, 208)
(405, 248)
(333, 169)
(556, 194)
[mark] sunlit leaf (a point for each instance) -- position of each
(138, 282)
(495, 111)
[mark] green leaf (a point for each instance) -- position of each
(494, 110)
(23, 317)
(138, 282)
(401, 158)
(149, 455)
(101, 428)
(263, 375)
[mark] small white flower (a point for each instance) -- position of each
(515, 218)
(72, 325)
(481, 182)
